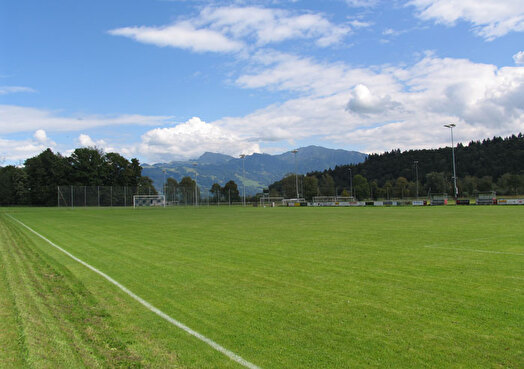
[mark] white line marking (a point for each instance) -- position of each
(155, 310)
(474, 250)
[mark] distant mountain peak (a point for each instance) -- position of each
(260, 169)
(213, 158)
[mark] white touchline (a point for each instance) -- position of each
(474, 250)
(155, 310)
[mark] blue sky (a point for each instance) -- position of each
(169, 80)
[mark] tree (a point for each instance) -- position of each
(485, 184)
(45, 172)
(360, 187)
(230, 191)
(14, 188)
(326, 185)
(145, 186)
(289, 186)
(216, 190)
(310, 187)
(171, 189)
(88, 167)
(116, 170)
(401, 186)
(187, 186)
(436, 182)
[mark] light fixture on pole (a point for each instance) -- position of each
(296, 174)
(243, 156)
(451, 126)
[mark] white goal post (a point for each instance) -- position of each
(149, 200)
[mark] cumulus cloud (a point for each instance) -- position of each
(16, 151)
(519, 58)
(364, 101)
(231, 29)
(191, 139)
(25, 119)
(490, 18)
(86, 141)
(383, 107)
(40, 135)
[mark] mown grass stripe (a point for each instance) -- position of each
(148, 305)
(474, 250)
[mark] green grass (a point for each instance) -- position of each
(282, 287)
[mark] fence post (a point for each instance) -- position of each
(111, 192)
(58, 196)
(72, 201)
(98, 195)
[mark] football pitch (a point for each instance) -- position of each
(406, 287)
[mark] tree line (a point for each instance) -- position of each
(36, 182)
(495, 164)
(187, 192)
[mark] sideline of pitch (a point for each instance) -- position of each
(149, 306)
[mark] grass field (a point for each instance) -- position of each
(409, 287)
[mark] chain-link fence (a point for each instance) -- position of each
(107, 196)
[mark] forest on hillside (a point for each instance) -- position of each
(495, 164)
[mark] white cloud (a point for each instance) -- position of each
(362, 3)
(519, 58)
(383, 107)
(360, 24)
(16, 151)
(4, 90)
(490, 18)
(41, 136)
(182, 35)
(364, 101)
(272, 25)
(231, 29)
(24, 119)
(86, 141)
(191, 139)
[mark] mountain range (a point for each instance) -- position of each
(260, 169)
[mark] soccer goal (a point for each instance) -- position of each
(149, 200)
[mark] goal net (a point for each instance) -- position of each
(149, 200)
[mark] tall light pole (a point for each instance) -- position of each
(196, 184)
(450, 126)
(243, 156)
(350, 183)
(164, 186)
(416, 174)
(296, 174)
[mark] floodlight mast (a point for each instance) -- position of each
(296, 174)
(243, 156)
(164, 186)
(451, 126)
